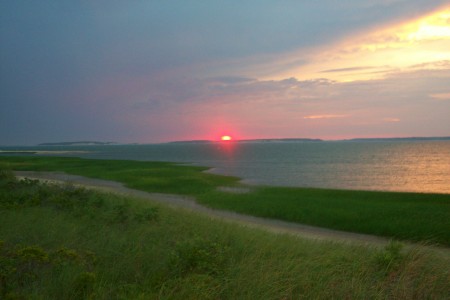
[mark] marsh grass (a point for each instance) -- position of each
(161, 177)
(52, 249)
(405, 216)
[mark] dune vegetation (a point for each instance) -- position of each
(66, 242)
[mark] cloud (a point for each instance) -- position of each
(441, 96)
(230, 80)
(325, 116)
(406, 43)
(352, 69)
(391, 120)
(159, 70)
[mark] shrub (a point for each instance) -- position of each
(20, 266)
(391, 256)
(198, 255)
(84, 284)
(148, 214)
(121, 213)
(7, 175)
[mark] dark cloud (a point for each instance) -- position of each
(227, 80)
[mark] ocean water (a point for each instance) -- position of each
(415, 166)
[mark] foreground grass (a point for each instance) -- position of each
(61, 242)
(404, 216)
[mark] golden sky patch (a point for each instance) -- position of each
(375, 54)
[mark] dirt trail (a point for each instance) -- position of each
(189, 203)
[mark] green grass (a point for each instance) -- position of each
(61, 242)
(404, 216)
(407, 216)
(159, 177)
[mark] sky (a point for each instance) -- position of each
(164, 70)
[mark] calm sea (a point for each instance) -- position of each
(418, 166)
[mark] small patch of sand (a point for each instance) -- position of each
(234, 190)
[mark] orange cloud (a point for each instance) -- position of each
(441, 96)
(391, 120)
(325, 116)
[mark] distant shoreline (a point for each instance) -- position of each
(437, 138)
(444, 138)
(80, 143)
(268, 140)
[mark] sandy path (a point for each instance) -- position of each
(185, 202)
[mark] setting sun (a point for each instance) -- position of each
(226, 138)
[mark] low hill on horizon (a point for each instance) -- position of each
(443, 138)
(79, 143)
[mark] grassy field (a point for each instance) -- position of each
(403, 216)
(413, 217)
(159, 177)
(62, 242)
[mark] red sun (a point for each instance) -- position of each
(226, 138)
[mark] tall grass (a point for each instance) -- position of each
(405, 216)
(61, 242)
